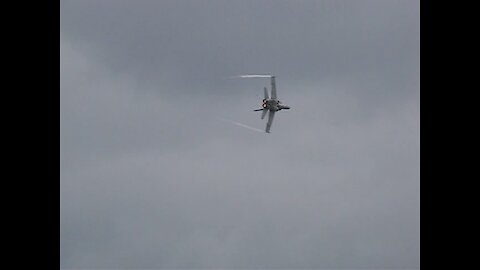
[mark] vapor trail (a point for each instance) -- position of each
(241, 125)
(253, 76)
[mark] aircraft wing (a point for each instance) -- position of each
(274, 88)
(271, 114)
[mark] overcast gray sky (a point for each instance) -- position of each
(153, 177)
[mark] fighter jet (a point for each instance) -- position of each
(271, 104)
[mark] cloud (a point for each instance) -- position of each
(150, 177)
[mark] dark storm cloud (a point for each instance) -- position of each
(205, 40)
(152, 177)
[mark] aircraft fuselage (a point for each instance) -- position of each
(274, 105)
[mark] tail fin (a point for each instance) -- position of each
(264, 112)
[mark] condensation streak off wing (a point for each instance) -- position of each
(253, 76)
(241, 125)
